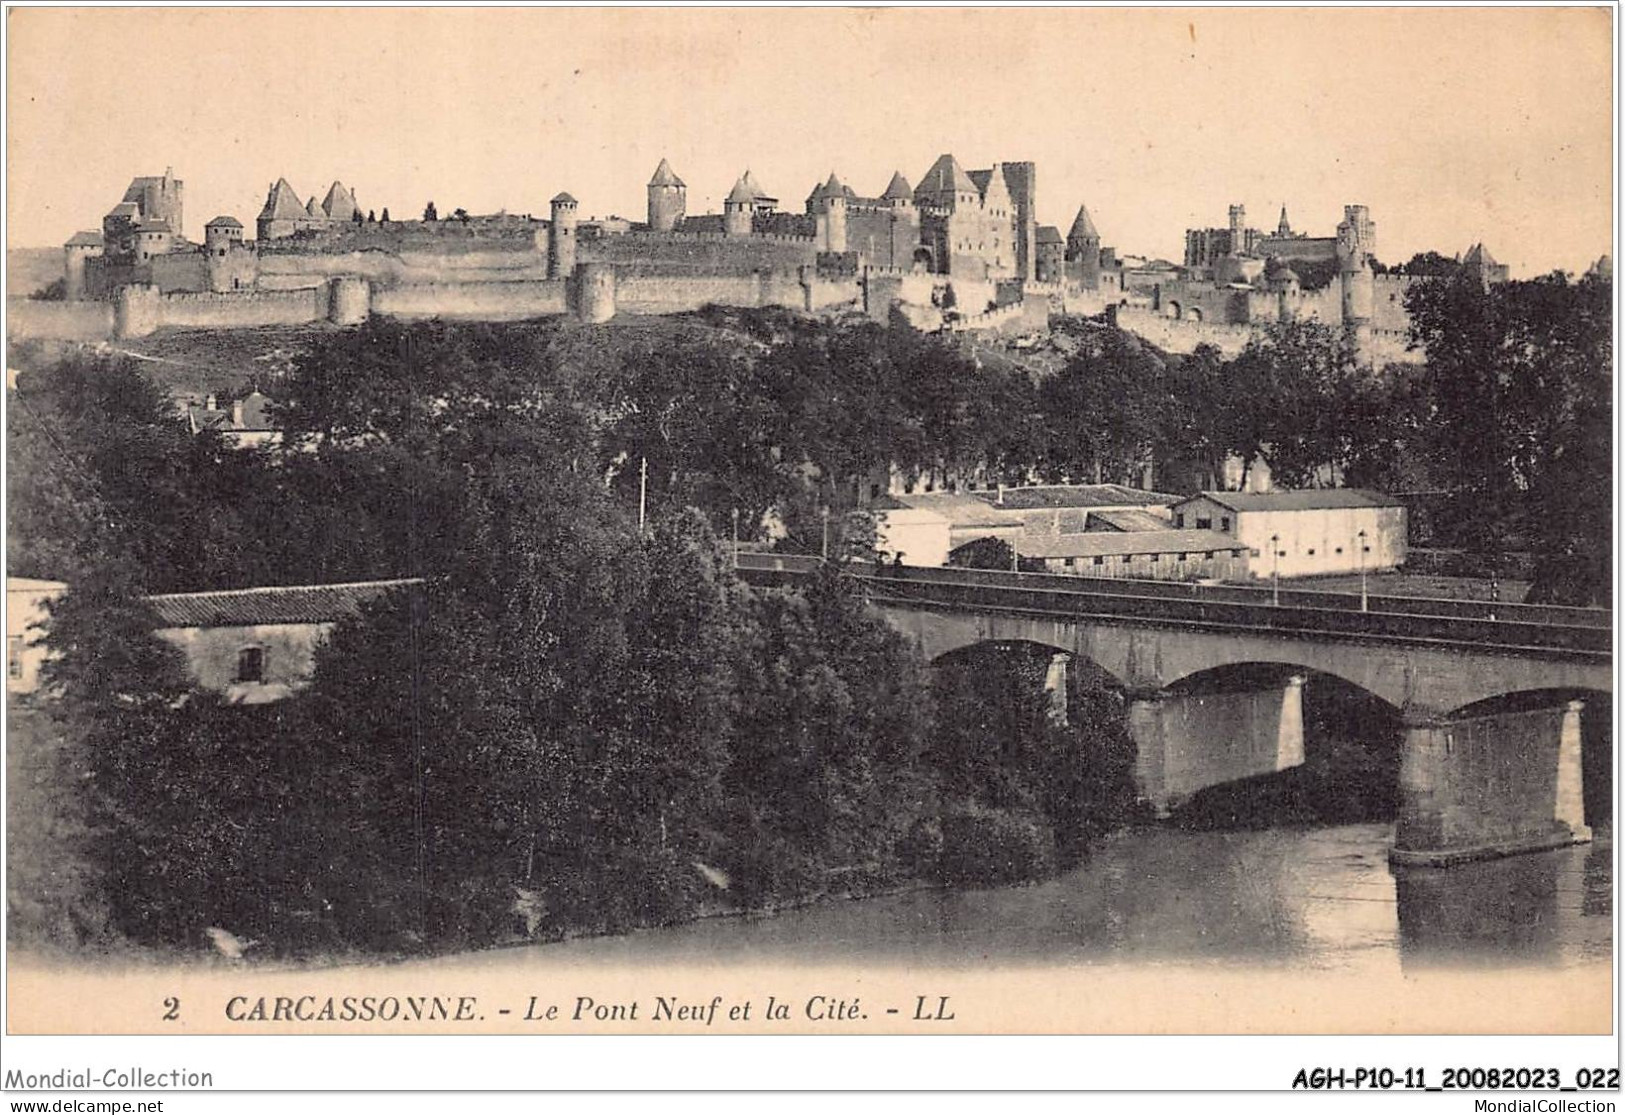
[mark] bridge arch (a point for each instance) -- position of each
(1354, 679)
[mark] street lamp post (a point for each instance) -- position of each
(824, 514)
(736, 537)
(1359, 554)
(1275, 570)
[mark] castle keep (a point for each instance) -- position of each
(961, 249)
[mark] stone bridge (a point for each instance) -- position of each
(1489, 698)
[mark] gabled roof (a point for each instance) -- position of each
(281, 203)
(664, 176)
(1133, 519)
(1112, 543)
(1079, 495)
(1314, 499)
(84, 239)
(946, 176)
(249, 607)
(898, 188)
(125, 209)
(1083, 227)
(139, 186)
(961, 510)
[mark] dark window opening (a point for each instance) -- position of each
(1204, 523)
(1224, 523)
(251, 664)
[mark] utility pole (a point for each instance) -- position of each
(1275, 570)
(643, 493)
(824, 514)
(1360, 553)
(736, 537)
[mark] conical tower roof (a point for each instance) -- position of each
(339, 202)
(899, 188)
(665, 176)
(281, 203)
(743, 191)
(312, 208)
(1083, 228)
(1478, 254)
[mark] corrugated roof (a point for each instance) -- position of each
(1128, 520)
(960, 509)
(249, 607)
(1112, 543)
(1310, 500)
(1080, 495)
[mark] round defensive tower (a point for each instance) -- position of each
(561, 238)
(668, 199)
(595, 292)
(349, 300)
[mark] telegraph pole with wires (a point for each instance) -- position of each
(643, 493)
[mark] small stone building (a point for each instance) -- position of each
(259, 644)
(1305, 533)
(1157, 555)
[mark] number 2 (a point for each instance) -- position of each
(174, 1009)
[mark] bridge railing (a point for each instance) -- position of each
(1221, 593)
(1062, 597)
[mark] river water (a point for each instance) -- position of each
(1315, 898)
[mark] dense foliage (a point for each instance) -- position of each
(581, 722)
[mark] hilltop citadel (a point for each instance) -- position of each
(959, 250)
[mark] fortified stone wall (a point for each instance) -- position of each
(487, 301)
(1181, 336)
(292, 271)
(242, 309)
(698, 254)
(64, 321)
(518, 234)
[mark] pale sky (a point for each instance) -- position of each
(1452, 125)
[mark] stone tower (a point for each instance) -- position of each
(1238, 230)
(80, 247)
(224, 255)
(1284, 229)
(1356, 241)
(1022, 181)
(1083, 250)
(738, 207)
(829, 209)
(668, 199)
(561, 238)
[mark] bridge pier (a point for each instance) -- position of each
(1055, 679)
(1488, 786)
(1185, 742)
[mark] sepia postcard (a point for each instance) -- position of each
(810, 522)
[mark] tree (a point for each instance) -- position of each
(429, 213)
(1102, 410)
(355, 217)
(1519, 394)
(384, 216)
(460, 214)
